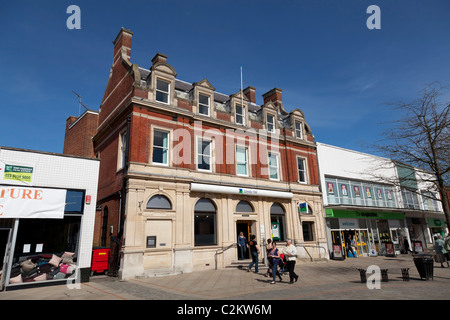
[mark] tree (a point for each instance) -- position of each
(421, 138)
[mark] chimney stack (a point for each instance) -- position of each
(249, 92)
(123, 42)
(273, 95)
(159, 57)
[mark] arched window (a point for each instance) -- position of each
(159, 202)
(205, 223)
(277, 221)
(244, 206)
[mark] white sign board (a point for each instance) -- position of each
(348, 223)
(24, 202)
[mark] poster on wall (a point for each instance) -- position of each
(275, 226)
(330, 188)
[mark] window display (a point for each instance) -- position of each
(45, 249)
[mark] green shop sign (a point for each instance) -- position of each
(333, 213)
(435, 222)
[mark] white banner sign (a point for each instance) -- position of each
(23, 202)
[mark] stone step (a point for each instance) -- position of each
(159, 273)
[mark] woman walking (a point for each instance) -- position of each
(274, 254)
(440, 251)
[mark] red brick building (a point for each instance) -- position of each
(184, 169)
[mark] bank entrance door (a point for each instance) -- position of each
(246, 228)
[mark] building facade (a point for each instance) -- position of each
(385, 207)
(184, 169)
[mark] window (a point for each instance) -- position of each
(74, 202)
(273, 167)
(244, 206)
(204, 155)
(410, 200)
(241, 161)
(277, 214)
(298, 130)
(159, 202)
(270, 123)
(429, 201)
(203, 104)
(308, 231)
(301, 170)
(204, 223)
(122, 149)
(240, 114)
(160, 147)
(162, 91)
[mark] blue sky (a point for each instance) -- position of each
(319, 52)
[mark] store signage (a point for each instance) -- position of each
(348, 224)
(200, 187)
(303, 208)
(17, 173)
(23, 202)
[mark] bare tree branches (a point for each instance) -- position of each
(421, 137)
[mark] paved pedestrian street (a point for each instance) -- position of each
(331, 280)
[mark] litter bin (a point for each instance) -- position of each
(424, 264)
(100, 259)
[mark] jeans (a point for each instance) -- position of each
(254, 261)
(242, 251)
(275, 272)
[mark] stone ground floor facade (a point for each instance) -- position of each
(184, 225)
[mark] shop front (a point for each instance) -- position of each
(364, 233)
(46, 218)
(43, 247)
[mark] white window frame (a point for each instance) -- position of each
(208, 106)
(247, 173)
(277, 157)
(304, 170)
(298, 130)
(166, 148)
(197, 163)
(164, 92)
(240, 114)
(270, 123)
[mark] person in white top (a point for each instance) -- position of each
(291, 257)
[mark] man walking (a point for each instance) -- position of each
(291, 257)
(254, 252)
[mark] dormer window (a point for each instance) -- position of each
(203, 104)
(270, 123)
(162, 91)
(298, 130)
(240, 114)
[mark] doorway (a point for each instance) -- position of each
(246, 228)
